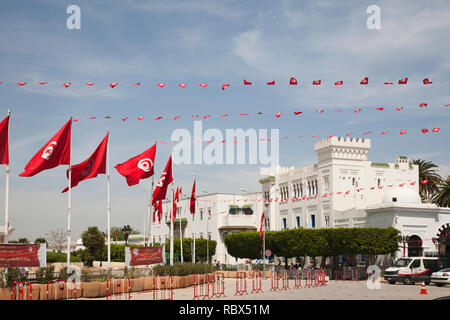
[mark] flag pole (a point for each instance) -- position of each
(171, 230)
(181, 233)
(150, 230)
(7, 191)
(108, 204)
(193, 249)
(69, 209)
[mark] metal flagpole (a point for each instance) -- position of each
(193, 249)
(108, 204)
(171, 231)
(68, 216)
(181, 233)
(7, 192)
(150, 230)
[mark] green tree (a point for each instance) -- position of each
(442, 196)
(23, 240)
(40, 240)
(428, 172)
(93, 240)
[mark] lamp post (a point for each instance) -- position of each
(272, 189)
(207, 231)
(126, 230)
(404, 239)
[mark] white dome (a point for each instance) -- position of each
(401, 195)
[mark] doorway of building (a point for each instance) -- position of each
(414, 246)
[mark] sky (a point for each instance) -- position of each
(213, 42)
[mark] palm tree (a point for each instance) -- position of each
(442, 197)
(428, 173)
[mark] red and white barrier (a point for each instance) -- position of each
(256, 282)
(218, 285)
(163, 288)
(241, 283)
(297, 279)
(274, 281)
(21, 290)
(285, 280)
(61, 290)
(201, 286)
(118, 288)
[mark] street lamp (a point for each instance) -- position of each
(266, 204)
(404, 239)
(126, 230)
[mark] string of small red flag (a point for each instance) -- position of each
(277, 114)
(292, 82)
(342, 193)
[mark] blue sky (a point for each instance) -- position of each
(211, 42)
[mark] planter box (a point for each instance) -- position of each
(5, 294)
(65, 294)
(148, 283)
(179, 281)
(137, 284)
(35, 290)
(91, 289)
(102, 289)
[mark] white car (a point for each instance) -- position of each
(441, 277)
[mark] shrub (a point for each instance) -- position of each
(45, 274)
(53, 256)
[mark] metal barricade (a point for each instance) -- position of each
(285, 280)
(61, 289)
(163, 288)
(21, 290)
(297, 279)
(218, 285)
(201, 286)
(256, 282)
(119, 288)
(241, 283)
(274, 281)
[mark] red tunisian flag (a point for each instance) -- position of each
(262, 224)
(175, 198)
(91, 167)
(54, 153)
(160, 210)
(139, 167)
(163, 182)
(4, 144)
(193, 199)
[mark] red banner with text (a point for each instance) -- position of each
(137, 256)
(23, 255)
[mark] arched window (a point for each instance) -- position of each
(414, 246)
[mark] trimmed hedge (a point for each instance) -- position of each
(61, 257)
(314, 242)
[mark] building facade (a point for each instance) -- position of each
(216, 215)
(345, 189)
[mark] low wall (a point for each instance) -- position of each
(97, 289)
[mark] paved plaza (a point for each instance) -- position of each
(334, 290)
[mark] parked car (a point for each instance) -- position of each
(441, 277)
(414, 269)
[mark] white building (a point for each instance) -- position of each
(345, 189)
(217, 214)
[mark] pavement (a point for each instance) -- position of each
(334, 290)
